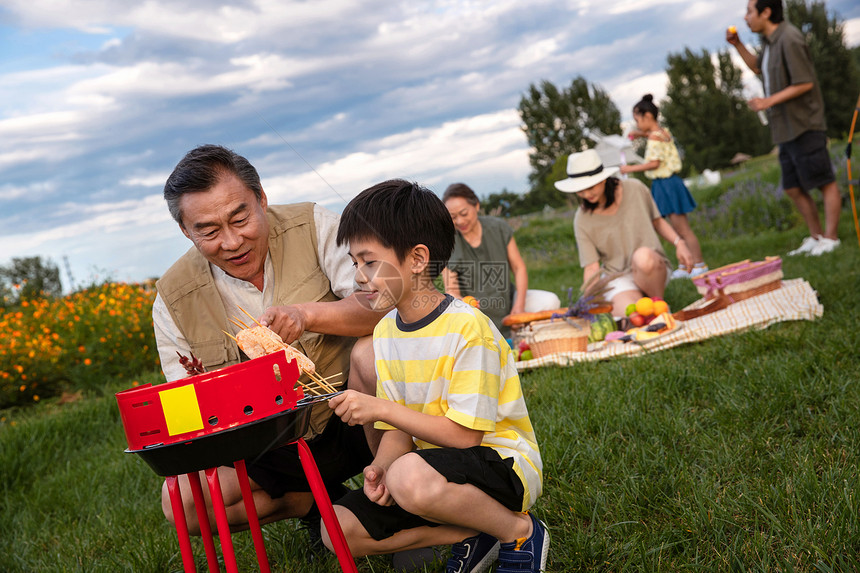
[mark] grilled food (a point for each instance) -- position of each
(259, 341)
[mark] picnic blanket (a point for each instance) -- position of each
(794, 300)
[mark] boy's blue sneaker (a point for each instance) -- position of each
(473, 554)
(526, 554)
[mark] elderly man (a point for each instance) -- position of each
(281, 264)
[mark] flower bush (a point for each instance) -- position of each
(54, 344)
(748, 206)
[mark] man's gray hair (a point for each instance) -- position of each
(201, 169)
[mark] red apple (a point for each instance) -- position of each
(637, 319)
(523, 346)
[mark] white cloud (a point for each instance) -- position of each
(852, 32)
(626, 91)
(151, 180)
(101, 111)
(486, 146)
(113, 237)
(535, 52)
(699, 12)
(621, 7)
(13, 192)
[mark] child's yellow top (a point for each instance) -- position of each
(455, 363)
(666, 153)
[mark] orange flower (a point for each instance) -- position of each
(87, 361)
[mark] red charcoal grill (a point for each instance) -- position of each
(222, 418)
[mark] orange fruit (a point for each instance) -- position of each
(470, 300)
(660, 306)
(733, 30)
(645, 306)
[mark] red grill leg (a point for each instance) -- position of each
(251, 510)
(338, 540)
(203, 522)
(221, 520)
(181, 524)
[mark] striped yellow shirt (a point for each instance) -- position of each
(455, 363)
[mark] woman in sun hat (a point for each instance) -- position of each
(617, 226)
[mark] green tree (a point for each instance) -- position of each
(26, 278)
(502, 204)
(556, 123)
(836, 68)
(706, 110)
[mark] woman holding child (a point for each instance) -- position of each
(617, 226)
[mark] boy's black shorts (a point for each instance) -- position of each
(479, 466)
(805, 161)
(340, 452)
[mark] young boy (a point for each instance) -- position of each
(459, 462)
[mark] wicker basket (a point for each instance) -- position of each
(547, 337)
(741, 280)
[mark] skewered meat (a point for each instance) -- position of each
(192, 365)
(259, 341)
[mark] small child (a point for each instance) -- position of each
(458, 462)
(662, 164)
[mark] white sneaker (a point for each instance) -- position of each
(698, 270)
(680, 273)
(824, 245)
(806, 246)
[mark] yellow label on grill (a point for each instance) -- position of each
(181, 410)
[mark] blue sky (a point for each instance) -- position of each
(325, 98)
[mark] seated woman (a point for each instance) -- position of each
(485, 254)
(616, 228)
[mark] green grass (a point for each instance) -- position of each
(734, 454)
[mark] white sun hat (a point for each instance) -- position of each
(584, 169)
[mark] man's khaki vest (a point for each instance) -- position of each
(188, 289)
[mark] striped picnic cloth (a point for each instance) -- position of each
(794, 300)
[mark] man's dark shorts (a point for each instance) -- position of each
(340, 452)
(479, 466)
(805, 161)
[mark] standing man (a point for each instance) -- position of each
(795, 110)
(282, 264)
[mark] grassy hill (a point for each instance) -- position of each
(737, 453)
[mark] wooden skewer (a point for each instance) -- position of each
(313, 391)
(239, 323)
(315, 379)
(231, 336)
(318, 379)
(333, 375)
(248, 314)
(322, 383)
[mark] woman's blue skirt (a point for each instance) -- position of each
(672, 196)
